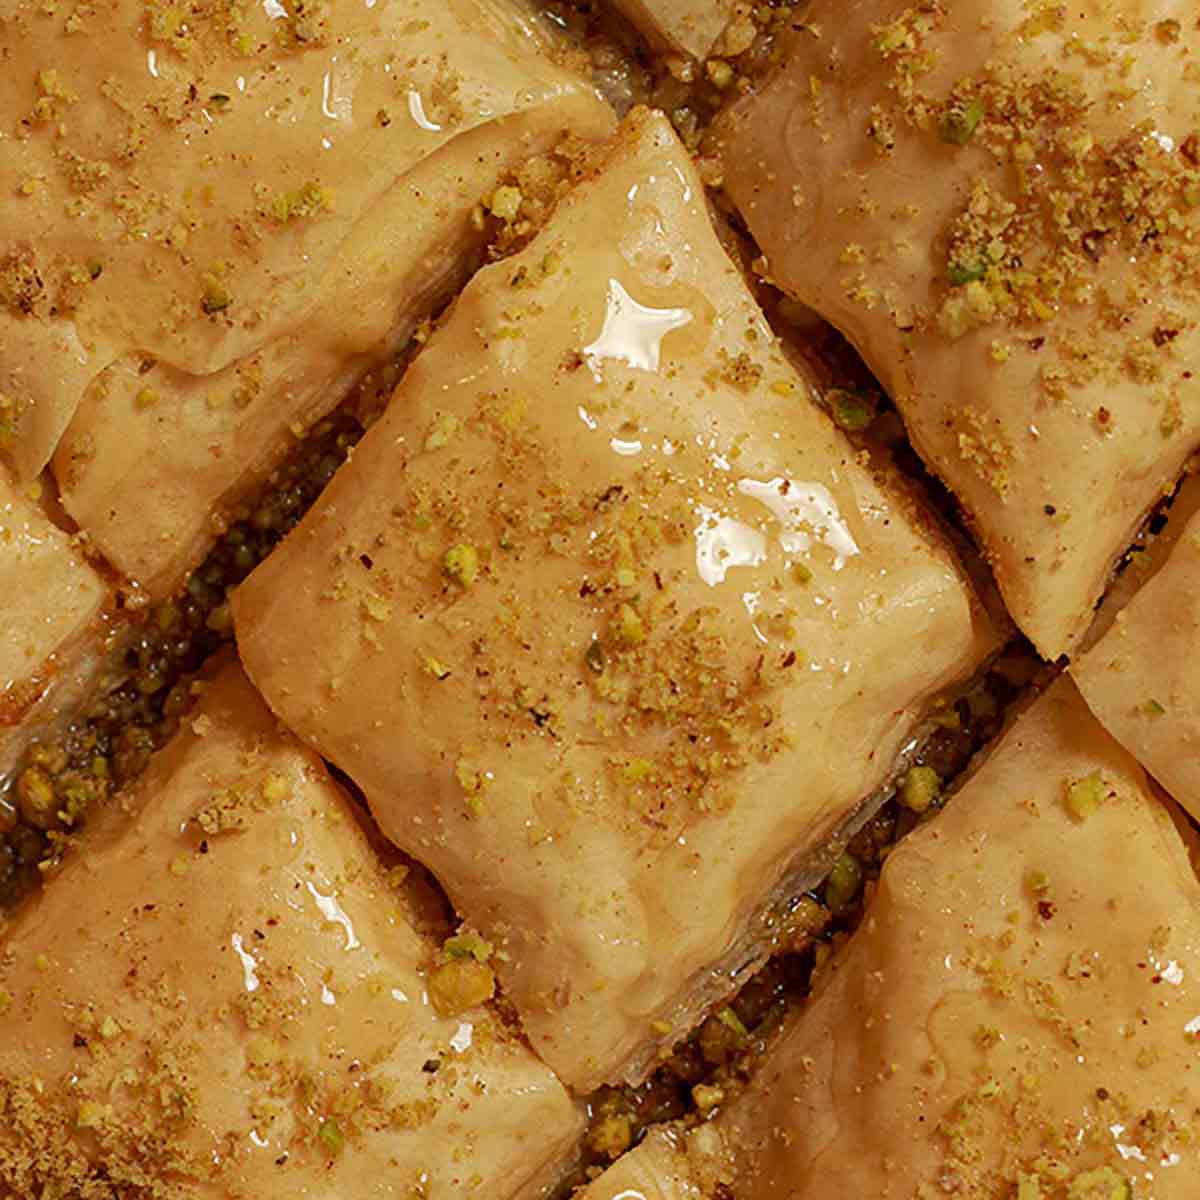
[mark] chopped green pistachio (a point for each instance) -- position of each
(707, 1096)
(629, 626)
(215, 298)
(625, 577)
(638, 769)
(1038, 881)
(919, 789)
(506, 202)
(1084, 795)
(947, 718)
(274, 787)
(441, 431)
(853, 411)
(460, 984)
(468, 777)
(376, 608)
(90, 1114)
(612, 1135)
(330, 1133)
(960, 274)
(305, 201)
(468, 944)
(146, 397)
(733, 1022)
(844, 882)
(959, 122)
(1152, 708)
(462, 564)
(436, 668)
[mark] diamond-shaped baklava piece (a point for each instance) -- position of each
(226, 993)
(997, 203)
(613, 627)
(1018, 1014)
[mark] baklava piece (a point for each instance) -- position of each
(996, 202)
(1017, 1016)
(53, 601)
(230, 995)
(215, 215)
(1142, 678)
(609, 622)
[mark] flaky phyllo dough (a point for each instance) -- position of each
(996, 201)
(1142, 677)
(1017, 1016)
(593, 790)
(213, 215)
(54, 603)
(602, 617)
(231, 995)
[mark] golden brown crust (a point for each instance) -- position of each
(1005, 227)
(226, 996)
(617, 580)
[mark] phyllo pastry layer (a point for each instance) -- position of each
(689, 26)
(996, 203)
(212, 217)
(1017, 1015)
(227, 994)
(52, 604)
(1142, 678)
(607, 620)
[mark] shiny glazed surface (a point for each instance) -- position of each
(227, 996)
(629, 596)
(993, 204)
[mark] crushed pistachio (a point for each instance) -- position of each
(435, 667)
(332, 1138)
(843, 883)
(459, 985)
(444, 427)
(961, 274)
(505, 202)
(732, 1022)
(468, 944)
(461, 564)
(919, 789)
(959, 121)
(612, 1135)
(1083, 796)
(215, 296)
(629, 626)
(708, 1096)
(853, 411)
(306, 201)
